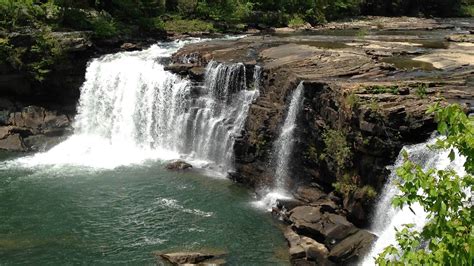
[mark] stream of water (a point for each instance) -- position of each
(283, 149)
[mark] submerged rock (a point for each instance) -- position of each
(191, 258)
(178, 165)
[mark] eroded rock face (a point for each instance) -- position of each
(33, 128)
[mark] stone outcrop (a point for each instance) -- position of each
(32, 128)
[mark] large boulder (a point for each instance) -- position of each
(326, 227)
(305, 249)
(353, 247)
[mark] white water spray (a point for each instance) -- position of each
(386, 218)
(131, 110)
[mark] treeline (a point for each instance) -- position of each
(109, 17)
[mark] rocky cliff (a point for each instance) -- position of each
(363, 101)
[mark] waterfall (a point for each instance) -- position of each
(386, 218)
(285, 142)
(131, 110)
(283, 149)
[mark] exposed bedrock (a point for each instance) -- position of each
(358, 112)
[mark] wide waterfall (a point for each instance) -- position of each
(387, 218)
(131, 109)
(283, 149)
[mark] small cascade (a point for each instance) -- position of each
(386, 218)
(131, 109)
(283, 149)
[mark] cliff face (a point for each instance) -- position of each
(358, 111)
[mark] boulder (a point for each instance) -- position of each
(309, 194)
(288, 204)
(179, 258)
(304, 249)
(178, 165)
(13, 143)
(352, 247)
(326, 227)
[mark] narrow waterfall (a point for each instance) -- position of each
(285, 142)
(131, 109)
(386, 218)
(283, 149)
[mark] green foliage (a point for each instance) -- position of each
(353, 100)
(442, 8)
(188, 25)
(373, 105)
(337, 149)
(421, 90)
(15, 13)
(44, 53)
(348, 184)
(445, 197)
(379, 89)
(104, 26)
(296, 21)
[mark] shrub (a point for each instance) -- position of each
(296, 21)
(421, 90)
(337, 149)
(104, 27)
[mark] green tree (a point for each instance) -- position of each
(445, 196)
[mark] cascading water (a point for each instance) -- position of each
(283, 149)
(131, 109)
(386, 218)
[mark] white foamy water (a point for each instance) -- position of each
(386, 218)
(283, 149)
(132, 110)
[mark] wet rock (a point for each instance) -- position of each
(288, 204)
(129, 47)
(180, 258)
(13, 143)
(353, 247)
(181, 69)
(42, 142)
(309, 194)
(178, 165)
